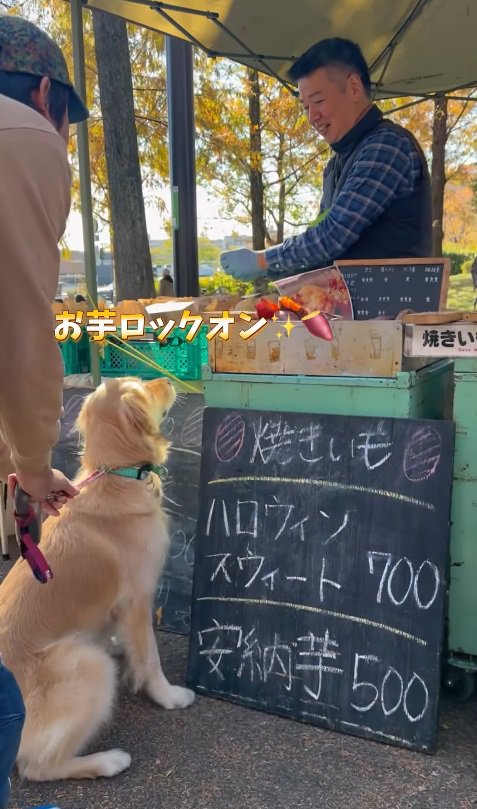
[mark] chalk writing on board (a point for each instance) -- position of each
(276, 516)
(323, 483)
(276, 440)
(251, 565)
(391, 568)
(318, 611)
(185, 547)
(320, 569)
(183, 428)
(422, 454)
(229, 438)
(191, 434)
(383, 290)
(307, 654)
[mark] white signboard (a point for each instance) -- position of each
(443, 340)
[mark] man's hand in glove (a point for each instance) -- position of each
(243, 263)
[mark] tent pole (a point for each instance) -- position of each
(85, 178)
(180, 104)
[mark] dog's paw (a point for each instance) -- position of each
(176, 697)
(113, 762)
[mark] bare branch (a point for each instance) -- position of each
(303, 166)
(150, 120)
(462, 112)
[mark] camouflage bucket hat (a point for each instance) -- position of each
(25, 48)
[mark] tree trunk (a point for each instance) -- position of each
(133, 274)
(438, 174)
(256, 178)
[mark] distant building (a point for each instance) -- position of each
(238, 240)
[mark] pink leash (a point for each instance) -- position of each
(28, 528)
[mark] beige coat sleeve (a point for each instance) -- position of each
(35, 187)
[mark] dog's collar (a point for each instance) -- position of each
(140, 472)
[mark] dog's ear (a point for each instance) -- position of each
(136, 411)
(91, 403)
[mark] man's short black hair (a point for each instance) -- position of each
(330, 52)
(20, 86)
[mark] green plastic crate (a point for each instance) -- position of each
(75, 354)
(180, 358)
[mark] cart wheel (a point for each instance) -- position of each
(458, 683)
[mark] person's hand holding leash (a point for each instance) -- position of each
(50, 488)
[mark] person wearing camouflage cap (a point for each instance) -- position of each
(26, 49)
(37, 104)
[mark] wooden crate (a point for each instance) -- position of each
(372, 348)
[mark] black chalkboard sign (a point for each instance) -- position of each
(320, 569)
(183, 428)
(381, 288)
(66, 452)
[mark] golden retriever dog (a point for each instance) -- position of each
(106, 550)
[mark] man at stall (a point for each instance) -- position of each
(37, 103)
(376, 200)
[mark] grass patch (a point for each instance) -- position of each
(461, 293)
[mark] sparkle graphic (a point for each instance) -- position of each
(288, 326)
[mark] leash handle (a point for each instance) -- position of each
(28, 534)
